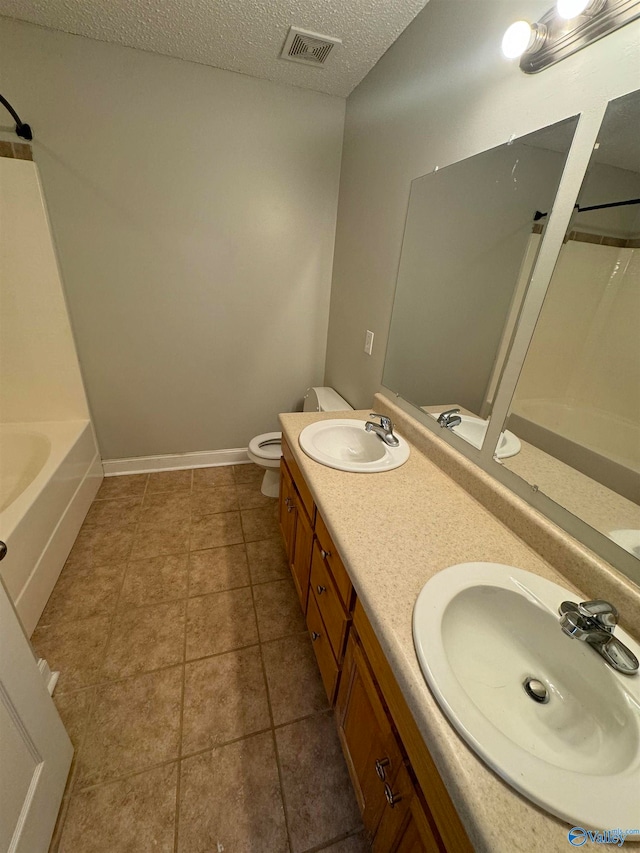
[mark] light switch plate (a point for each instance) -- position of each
(368, 342)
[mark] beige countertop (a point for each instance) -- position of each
(394, 531)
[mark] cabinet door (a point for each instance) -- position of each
(287, 510)
(372, 755)
(302, 547)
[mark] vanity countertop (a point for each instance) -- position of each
(395, 530)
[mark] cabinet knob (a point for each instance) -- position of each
(325, 554)
(290, 505)
(392, 798)
(381, 763)
(315, 636)
(3, 550)
(320, 589)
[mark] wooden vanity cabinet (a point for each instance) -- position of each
(404, 803)
(296, 514)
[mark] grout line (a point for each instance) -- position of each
(184, 677)
(273, 731)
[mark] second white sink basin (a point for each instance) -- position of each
(474, 429)
(344, 444)
(483, 630)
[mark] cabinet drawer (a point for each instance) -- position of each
(329, 603)
(298, 479)
(336, 565)
(322, 648)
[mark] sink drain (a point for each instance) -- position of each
(536, 690)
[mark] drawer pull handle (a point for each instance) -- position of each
(381, 763)
(325, 554)
(315, 636)
(321, 589)
(392, 798)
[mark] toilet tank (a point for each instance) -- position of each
(324, 400)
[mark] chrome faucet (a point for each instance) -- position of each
(593, 622)
(384, 430)
(450, 418)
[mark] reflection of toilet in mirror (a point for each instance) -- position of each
(265, 450)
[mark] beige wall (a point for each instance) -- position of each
(194, 214)
(441, 93)
(39, 374)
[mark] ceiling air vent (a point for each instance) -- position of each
(310, 48)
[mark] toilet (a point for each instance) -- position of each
(265, 450)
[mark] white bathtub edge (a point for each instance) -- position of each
(173, 462)
(31, 600)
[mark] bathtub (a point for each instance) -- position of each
(49, 474)
(604, 445)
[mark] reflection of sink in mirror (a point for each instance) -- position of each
(474, 430)
(627, 539)
(544, 710)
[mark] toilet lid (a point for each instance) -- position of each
(268, 445)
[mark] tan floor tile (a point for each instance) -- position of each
(353, 844)
(154, 580)
(230, 800)
(75, 649)
(207, 478)
(318, 795)
(157, 540)
(81, 593)
(250, 496)
(145, 639)
(168, 481)
(213, 531)
(168, 508)
(260, 523)
(113, 512)
(209, 501)
(216, 569)
(225, 698)
(278, 610)
(248, 473)
(129, 816)
(101, 546)
(295, 686)
(267, 560)
(220, 622)
(134, 725)
(126, 486)
(74, 710)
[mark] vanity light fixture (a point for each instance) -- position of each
(523, 37)
(565, 29)
(570, 9)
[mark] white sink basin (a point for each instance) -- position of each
(480, 630)
(474, 430)
(345, 445)
(627, 539)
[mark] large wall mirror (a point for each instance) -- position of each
(576, 407)
(471, 237)
(473, 233)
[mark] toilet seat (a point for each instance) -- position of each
(267, 447)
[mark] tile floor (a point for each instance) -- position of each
(188, 684)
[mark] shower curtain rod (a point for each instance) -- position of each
(23, 130)
(539, 215)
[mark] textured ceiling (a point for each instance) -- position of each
(239, 35)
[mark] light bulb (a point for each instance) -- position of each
(516, 39)
(568, 9)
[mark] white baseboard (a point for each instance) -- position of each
(174, 462)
